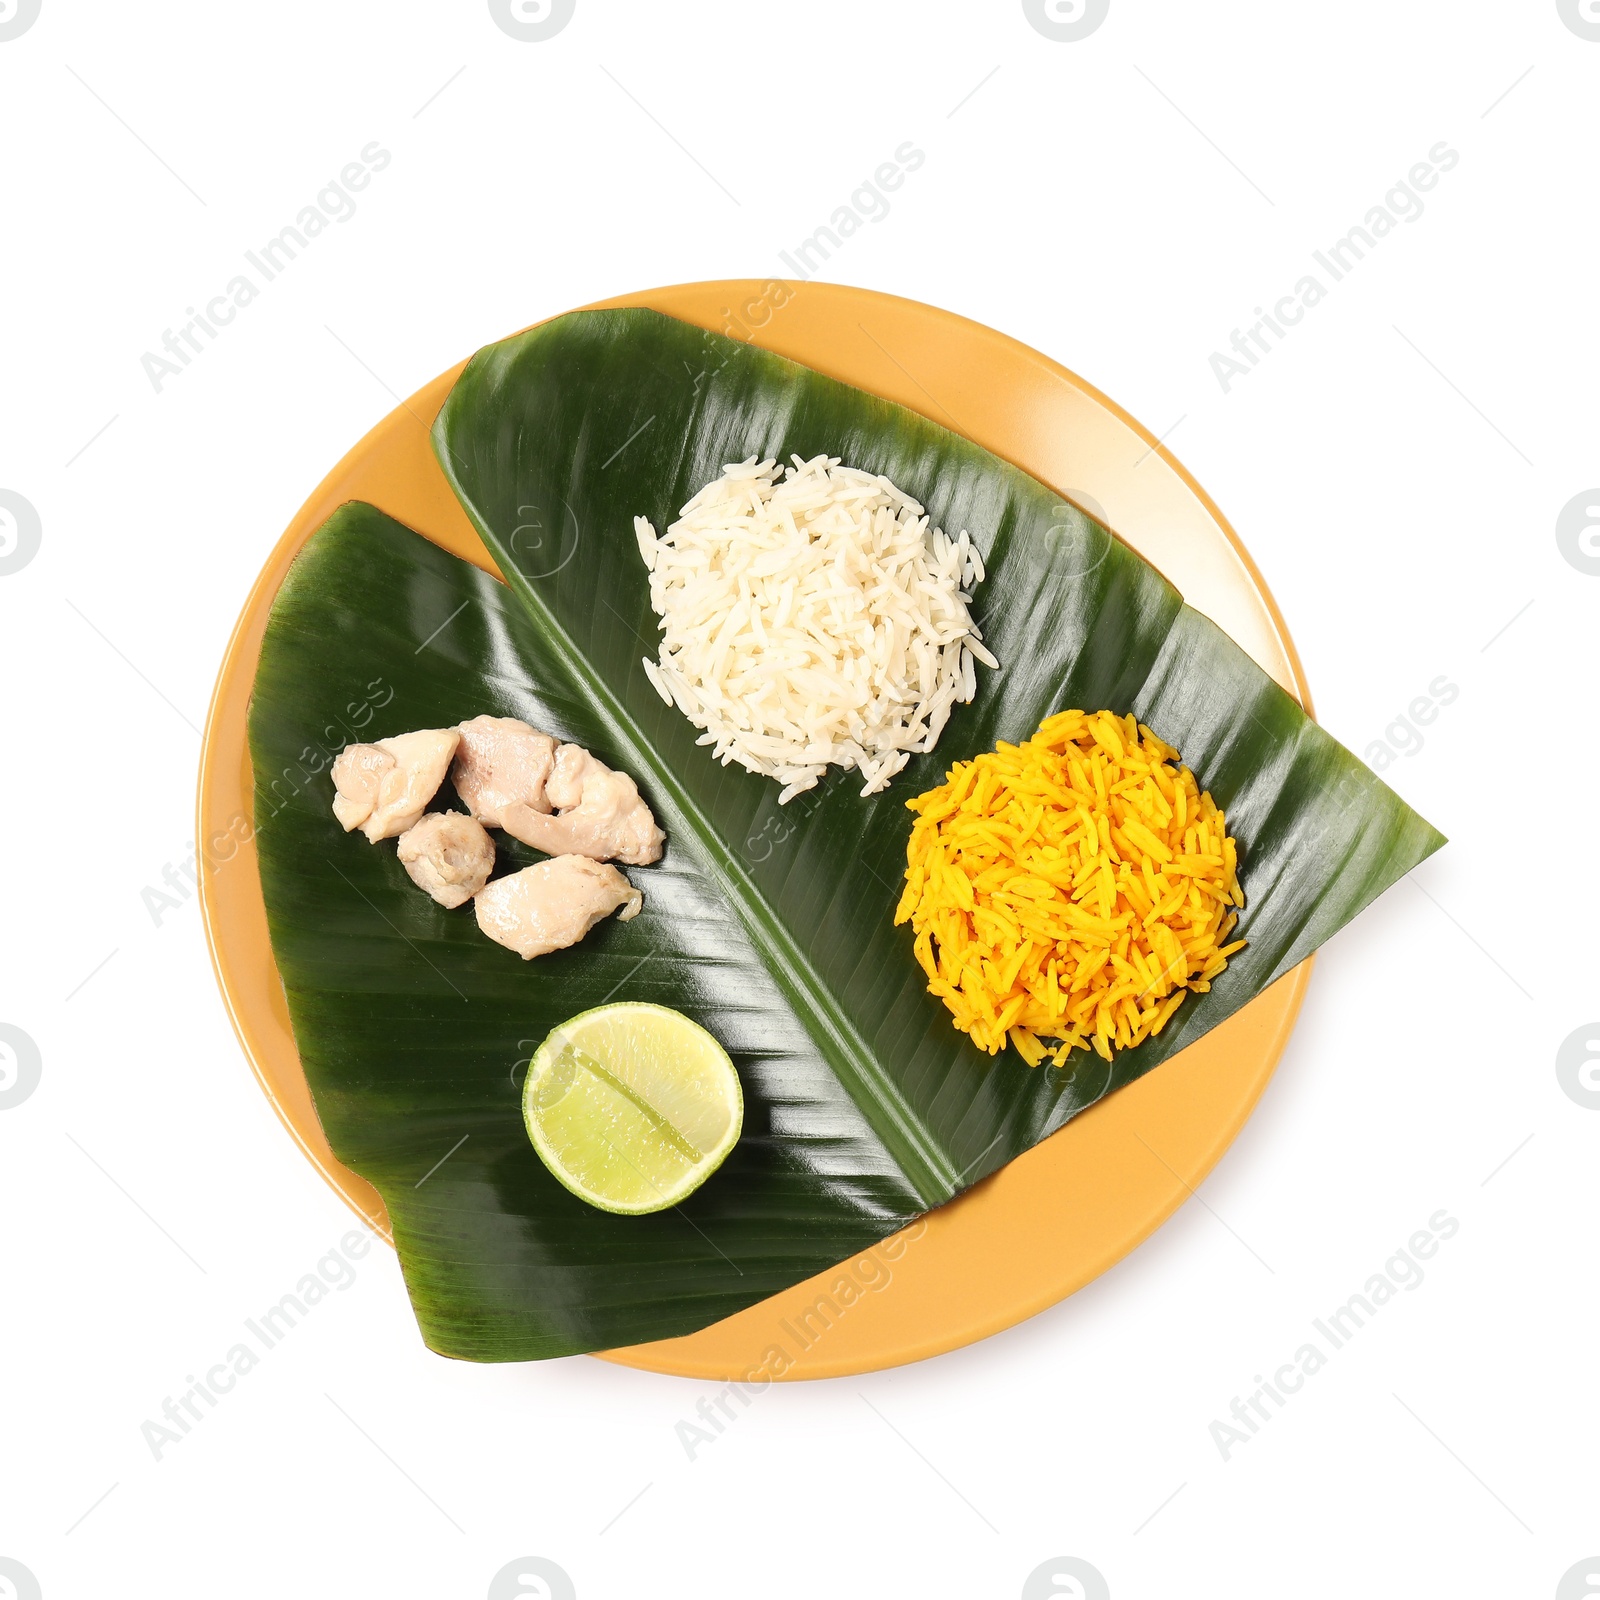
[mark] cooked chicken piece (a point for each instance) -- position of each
(501, 762)
(554, 904)
(602, 815)
(449, 855)
(385, 786)
(574, 767)
(357, 775)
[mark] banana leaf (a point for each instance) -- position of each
(770, 926)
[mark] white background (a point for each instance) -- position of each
(1397, 467)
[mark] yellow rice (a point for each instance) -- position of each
(1073, 888)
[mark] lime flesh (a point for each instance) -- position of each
(632, 1106)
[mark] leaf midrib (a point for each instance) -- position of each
(931, 1173)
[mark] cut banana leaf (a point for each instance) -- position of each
(770, 926)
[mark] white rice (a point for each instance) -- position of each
(811, 618)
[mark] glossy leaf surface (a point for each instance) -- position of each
(771, 926)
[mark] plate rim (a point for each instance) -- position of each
(699, 1354)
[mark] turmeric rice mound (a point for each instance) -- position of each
(1073, 888)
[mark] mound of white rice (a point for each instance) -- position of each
(811, 618)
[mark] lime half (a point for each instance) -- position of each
(632, 1106)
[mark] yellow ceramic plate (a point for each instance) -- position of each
(1054, 1218)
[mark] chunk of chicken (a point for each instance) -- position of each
(357, 776)
(602, 814)
(384, 787)
(502, 762)
(554, 904)
(574, 767)
(449, 855)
